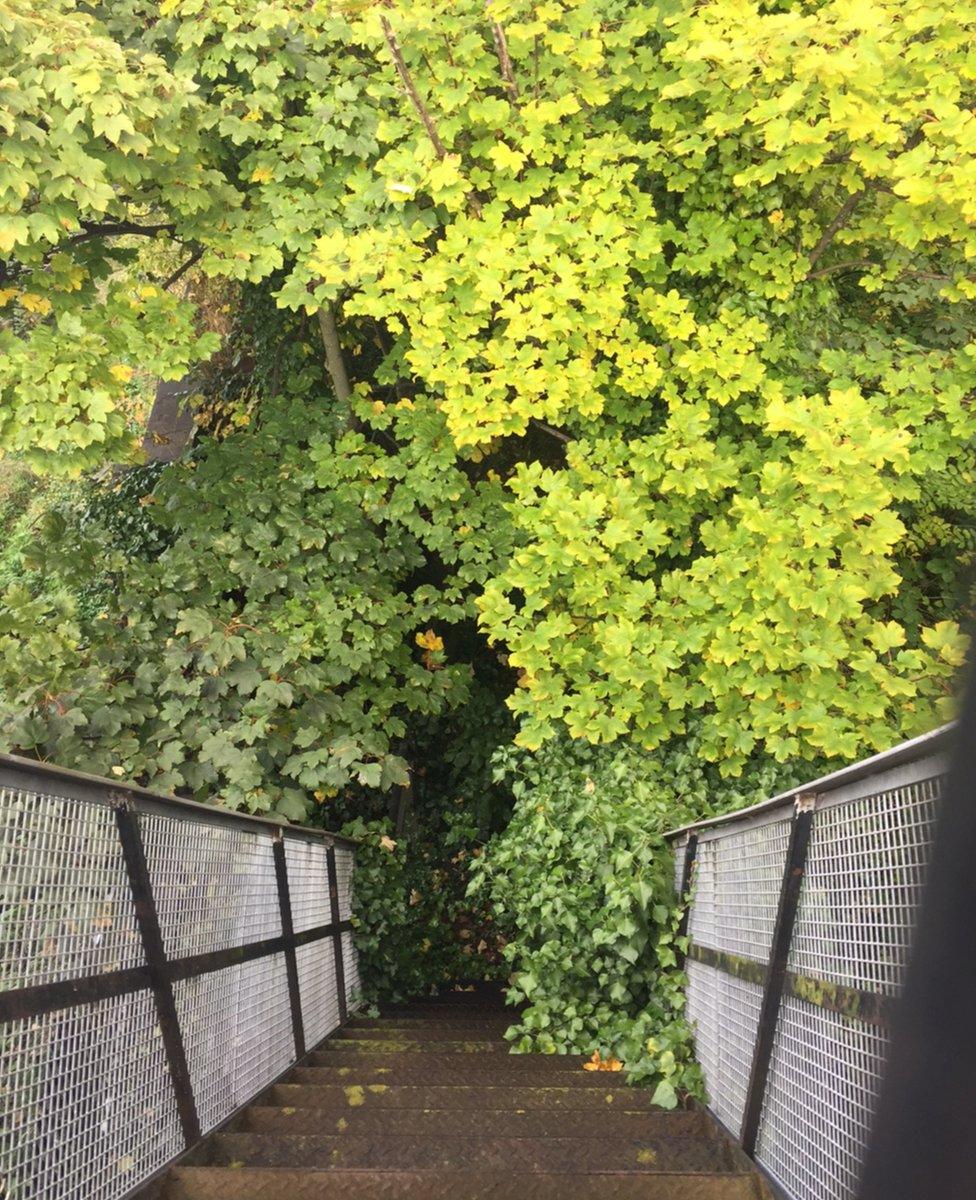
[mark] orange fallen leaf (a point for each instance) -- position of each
(597, 1063)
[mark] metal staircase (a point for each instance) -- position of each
(427, 1103)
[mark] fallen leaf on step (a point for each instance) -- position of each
(597, 1063)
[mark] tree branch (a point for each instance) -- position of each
(504, 58)
(415, 99)
(118, 229)
(828, 235)
(107, 229)
(334, 361)
(551, 430)
(858, 264)
(181, 271)
(407, 80)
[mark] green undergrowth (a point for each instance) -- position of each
(581, 886)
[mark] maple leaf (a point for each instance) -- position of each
(429, 641)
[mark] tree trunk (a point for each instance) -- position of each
(333, 356)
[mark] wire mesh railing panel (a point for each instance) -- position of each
(724, 1011)
(345, 860)
(679, 849)
(824, 1079)
(350, 962)
(736, 887)
(237, 1031)
(65, 906)
(863, 883)
(156, 961)
(318, 991)
(803, 913)
(308, 883)
(86, 1105)
(215, 886)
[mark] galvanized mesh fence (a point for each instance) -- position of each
(800, 924)
(161, 963)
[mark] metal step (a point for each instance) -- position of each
(424, 1031)
(415, 1045)
(432, 1069)
(450, 1122)
(430, 1025)
(268, 1183)
(338, 1097)
(545, 1064)
(557, 1156)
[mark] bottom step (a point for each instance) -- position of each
(228, 1183)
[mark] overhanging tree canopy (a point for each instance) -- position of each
(717, 256)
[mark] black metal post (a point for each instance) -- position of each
(288, 933)
(340, 969)
(147, 919)
(691, 853)
(779, 954)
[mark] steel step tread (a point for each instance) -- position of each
(270, 1183)
(435, 1071)
(460, 1021)
(500, 1096)
(428, 1102)
(416, 1046)
(423, 1031)
(672, 1154)
(450, 1122)
(339, 1056)
(445, 1006)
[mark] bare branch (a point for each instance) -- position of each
(551, 430)
(828, 235)
(422, 111)
(181, 271)
(407, 80)
(118, 229)
(504, 58)
(858, 264)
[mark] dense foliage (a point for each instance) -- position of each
(582, 888)
(606, 359)
(747, 319)
(417, 926)
(263, 660)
